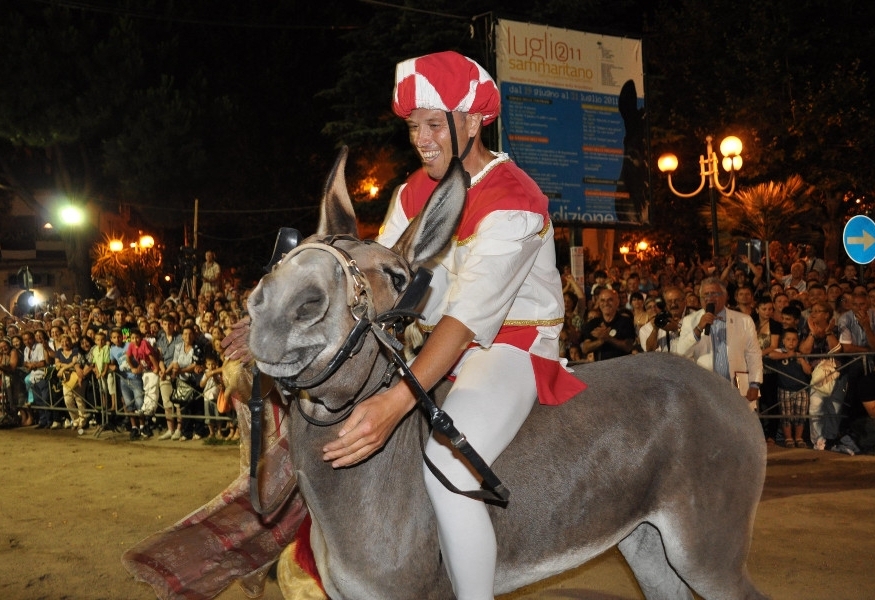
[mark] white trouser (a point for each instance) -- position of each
(150, 392)
(493, 394)
(825, 416)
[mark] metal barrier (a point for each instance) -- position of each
(844, 362)
(98, 404)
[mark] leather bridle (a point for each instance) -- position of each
(361, 305)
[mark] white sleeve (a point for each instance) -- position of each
(396, 221)
(499, 260)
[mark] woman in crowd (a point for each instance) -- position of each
(13, 388)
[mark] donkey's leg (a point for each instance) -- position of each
(645, 554)
(710, 555)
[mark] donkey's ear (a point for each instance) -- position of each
(336, 215)
(432, 229)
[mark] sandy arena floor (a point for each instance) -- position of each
(71, 505)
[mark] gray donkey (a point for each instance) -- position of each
(657, 456)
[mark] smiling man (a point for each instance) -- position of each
(494, 310)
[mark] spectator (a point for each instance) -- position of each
(856, 335)
(571, 329)
(185, 369)
(692, 301)
(812, 264)
(833, 295)
(611, 334)
(777, 275)
(639, 314)
(664, 338)
(601, 281)
(769, 338)
(796, 278)
(143, 359)
(791, 318)
(210, 272)
(850, 276)
(167, 343)
(856, 326)
(723, 341)
(74, 330)
(88, 378)
(211, 382)
(821, 337)
(816, 293)
(794, 373)
(35, 361)
(130, 382)
(632, 286)
(14, 390)
(68, 368)
(744, 302)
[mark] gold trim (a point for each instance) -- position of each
(547, 224)
(500, 157)
(548, 323)
(512, 323)
(464, 242)
(541, 234)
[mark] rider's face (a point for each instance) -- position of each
(430, 136)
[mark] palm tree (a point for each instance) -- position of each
(767, 211)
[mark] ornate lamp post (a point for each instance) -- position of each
(730, 148)
(640, 249)
(133, 267)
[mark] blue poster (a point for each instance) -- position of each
(572, 120)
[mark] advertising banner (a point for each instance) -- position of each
(572, 116)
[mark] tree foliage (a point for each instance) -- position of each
(767, 211)
(152, 104)
(792, 81)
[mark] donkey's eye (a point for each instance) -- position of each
(399, 280)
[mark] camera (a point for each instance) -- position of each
(663, 317)
(187, 262)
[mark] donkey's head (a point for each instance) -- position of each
(304, 309)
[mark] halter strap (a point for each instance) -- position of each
(452, 127)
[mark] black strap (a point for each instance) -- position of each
(256, 409)
(256, 412)
(494, 490)
(451, 124)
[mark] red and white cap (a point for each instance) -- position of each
(445, 81)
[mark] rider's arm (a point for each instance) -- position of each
(374, 420)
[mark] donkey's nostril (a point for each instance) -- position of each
(256, 298)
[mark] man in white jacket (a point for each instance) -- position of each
(723, 340)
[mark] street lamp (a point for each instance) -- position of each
(640, 248)
(730, 148)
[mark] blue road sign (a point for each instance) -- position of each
(859, 239)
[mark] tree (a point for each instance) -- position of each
(791, 81)
(767, 211)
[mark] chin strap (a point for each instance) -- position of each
(452, 127)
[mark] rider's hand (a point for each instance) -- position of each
(369, 426)
(235, 346)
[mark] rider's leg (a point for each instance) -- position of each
(493, 394)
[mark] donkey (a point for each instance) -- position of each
(657, 456)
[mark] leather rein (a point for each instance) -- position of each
(360, 303)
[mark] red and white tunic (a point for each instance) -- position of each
(498, 276)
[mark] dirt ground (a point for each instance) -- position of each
(71, 505)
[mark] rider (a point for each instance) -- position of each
(494, 311)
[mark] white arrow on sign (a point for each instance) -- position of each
(867, 239)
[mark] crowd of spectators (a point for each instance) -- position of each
(146, 364)
(825, 308)
(150, 366)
